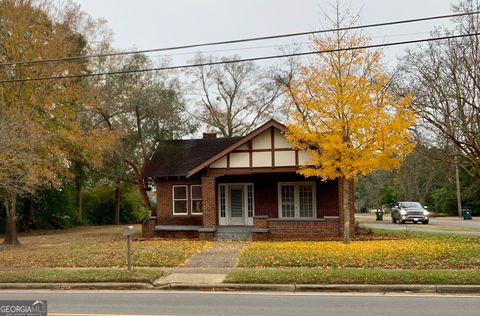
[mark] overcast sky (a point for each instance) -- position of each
(145, 24)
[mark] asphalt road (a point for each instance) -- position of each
(474, 223)
(212, 304)
(471, 225)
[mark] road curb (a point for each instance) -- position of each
(450, 289)
(364, 288)
(225, 287)
(230, 287)
(416, 288)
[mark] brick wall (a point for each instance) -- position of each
(209, 202)
(298, 230)
(260, 221)
(148, 228)
(177, 234)
(206, 236)
(164, 203)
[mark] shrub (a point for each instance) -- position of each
(99, 205)
(54, 208)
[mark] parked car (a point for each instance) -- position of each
(409, 212)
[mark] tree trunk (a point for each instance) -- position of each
(347, 195)
(11, 227)
(78, 198)
(117, 202)
(142, 188)
(28, 221)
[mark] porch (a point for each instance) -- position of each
(235, 200)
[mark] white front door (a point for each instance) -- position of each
(237, 207)
(235, 204)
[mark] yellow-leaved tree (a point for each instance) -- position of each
(343, 113)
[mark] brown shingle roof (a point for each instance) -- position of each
(174, 158)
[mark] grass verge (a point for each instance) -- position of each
(353, 276)
(80, 275)
(416, 251)
(408, 233)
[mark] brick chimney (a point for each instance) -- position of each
(209, 135)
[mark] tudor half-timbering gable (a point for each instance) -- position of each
(264, 150)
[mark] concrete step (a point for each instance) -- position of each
(234, 229)
(233, 233)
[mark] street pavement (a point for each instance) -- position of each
(219, 303)
(459, 226)
(474, 223)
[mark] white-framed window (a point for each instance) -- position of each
(180, 199)
(250, 200)
(222, 201)
(287, 200)
(296, 200)
(196, 199)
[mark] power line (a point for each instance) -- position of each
(275, 46)
(120, 72)
(71, 58)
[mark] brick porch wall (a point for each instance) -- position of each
(148, 228)
(319, 229)
(177, 235)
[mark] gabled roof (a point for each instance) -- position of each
(238, 143)
(174, 158)
(180, 158)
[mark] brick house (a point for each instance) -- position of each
(205, 186)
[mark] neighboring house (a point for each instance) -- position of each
(205, 185)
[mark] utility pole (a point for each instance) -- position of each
(457, 184)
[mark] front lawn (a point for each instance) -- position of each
(414, 252)
(80, 275)
(353, 276)
(96, 246)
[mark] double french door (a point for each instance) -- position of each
(235, 204)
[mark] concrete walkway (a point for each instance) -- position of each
(223, 254)
(209, 266)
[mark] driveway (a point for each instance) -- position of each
(451, 225)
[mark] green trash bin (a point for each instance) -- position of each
(467, 214)
(379, 215)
